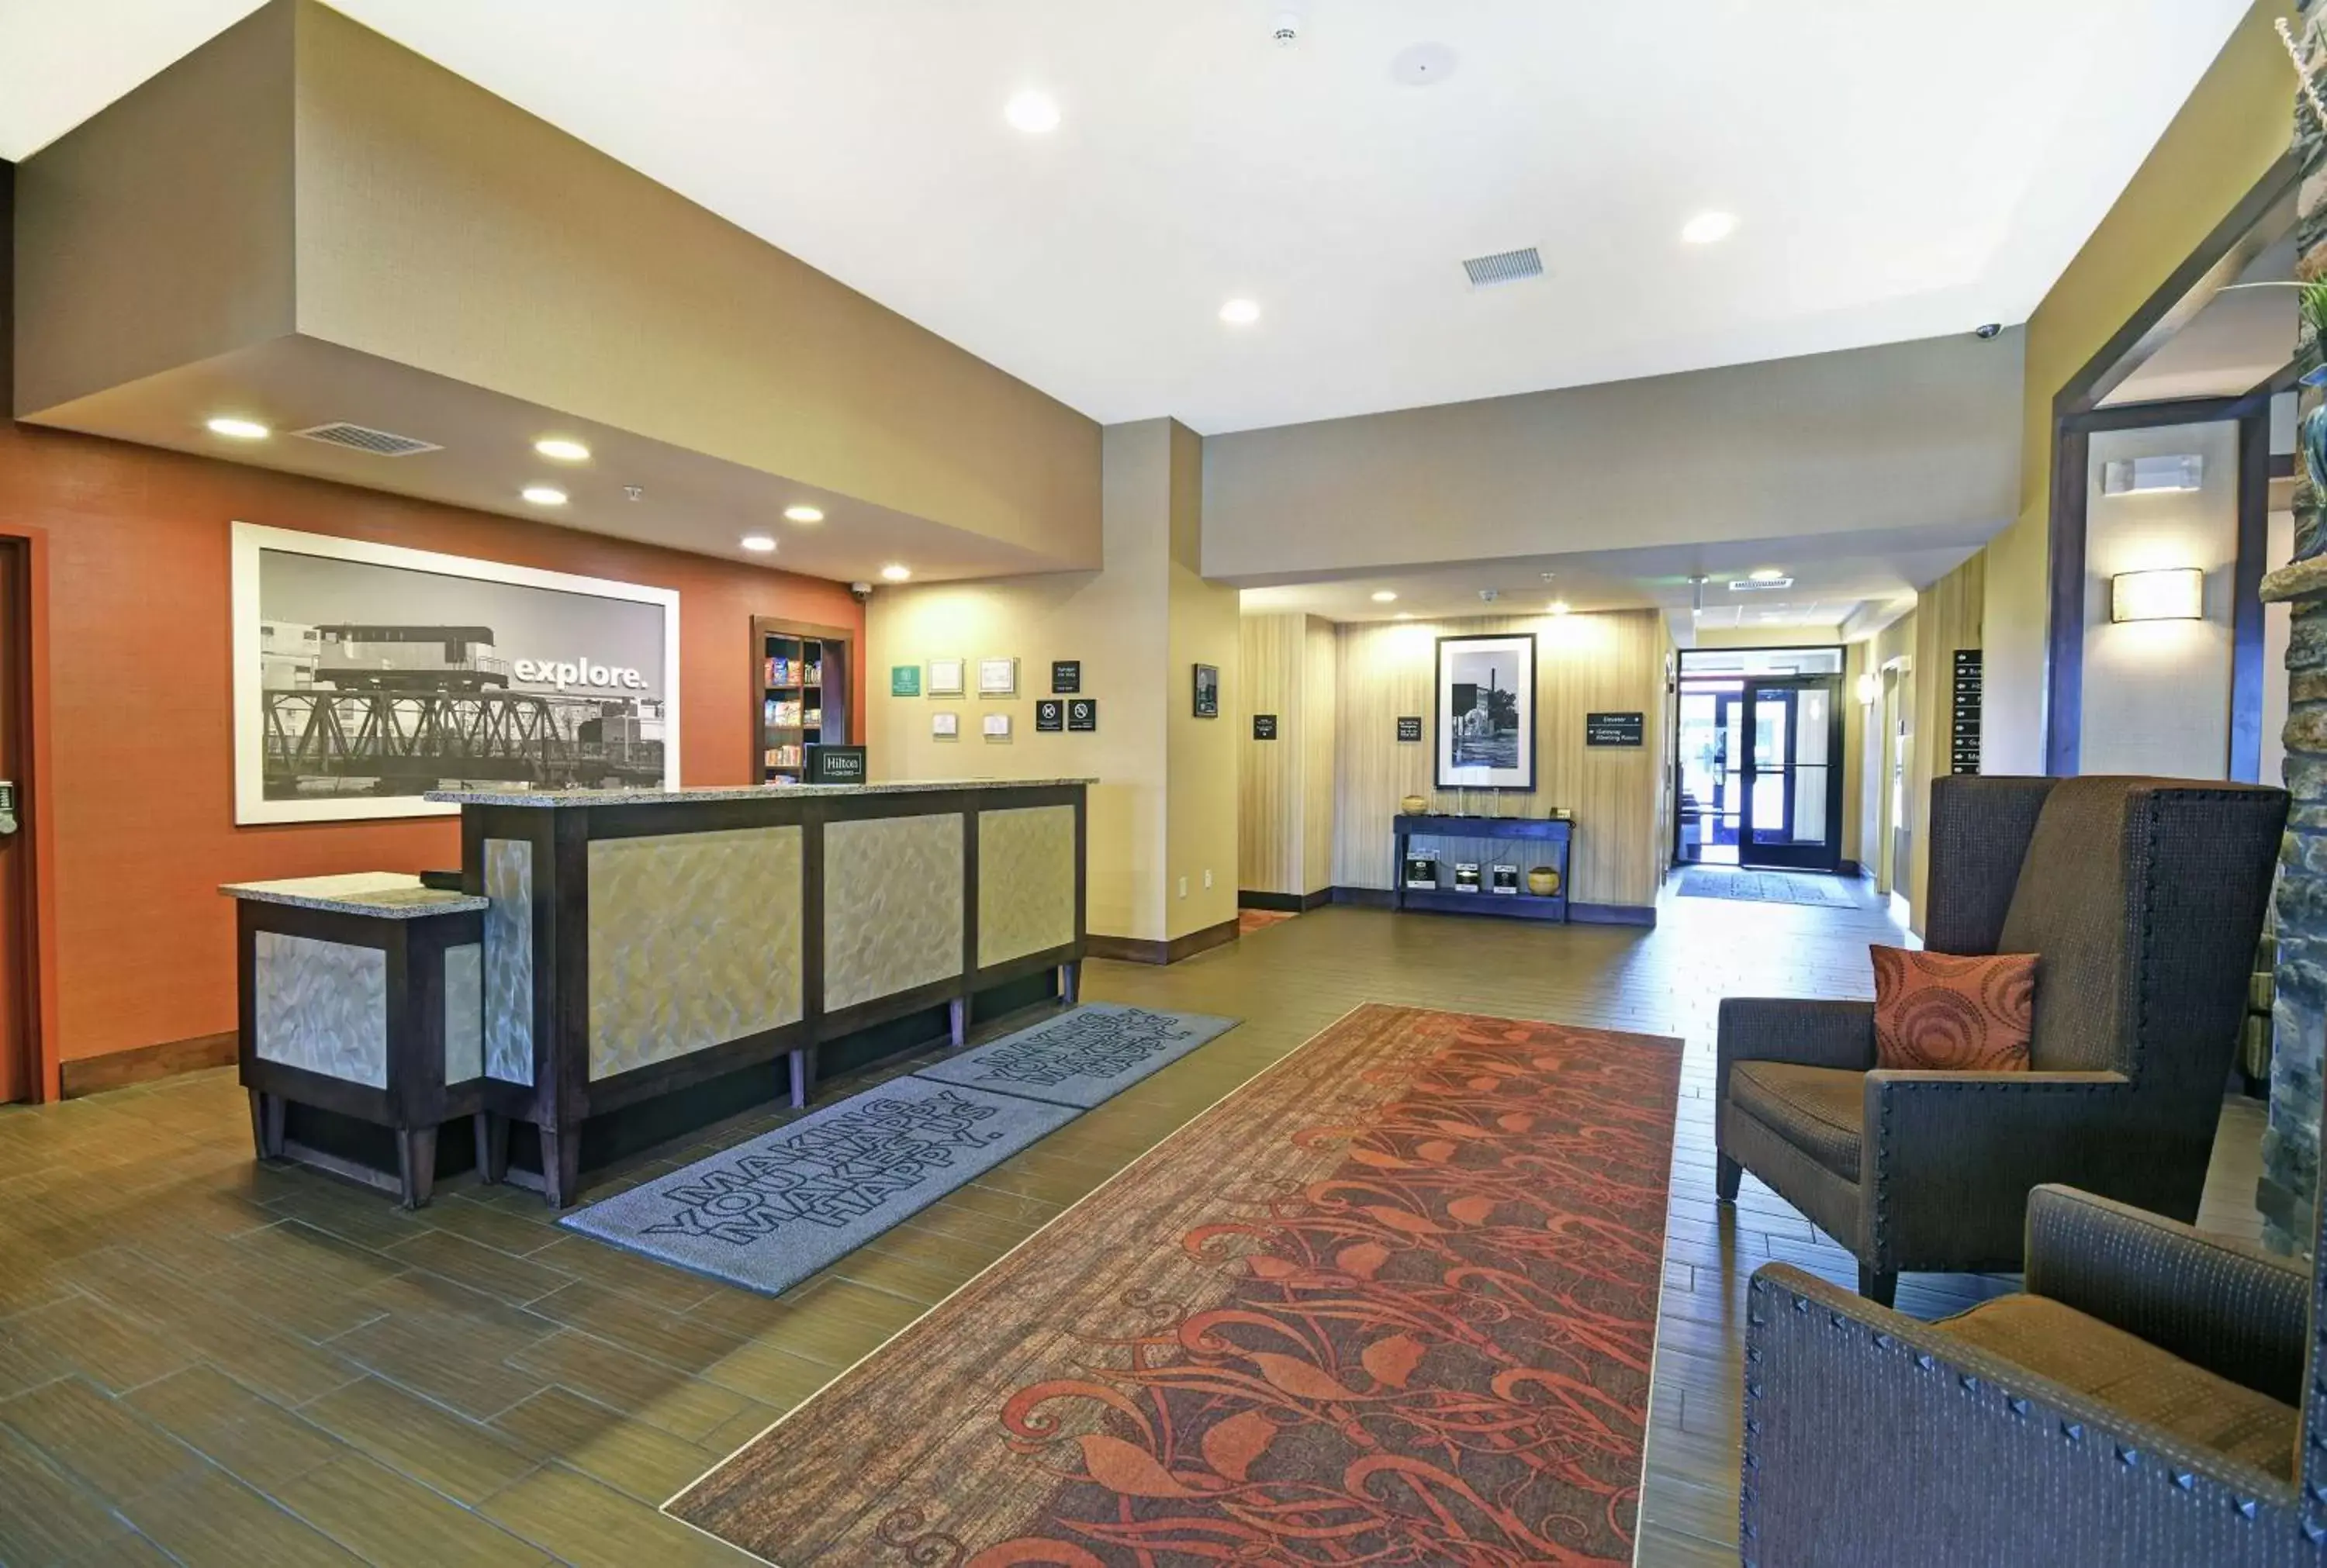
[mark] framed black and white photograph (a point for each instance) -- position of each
(1208, 691)
(367, 674)
(1486, 712)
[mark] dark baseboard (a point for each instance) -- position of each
(1364, 898)
(1852, 868)
(1283, 903)
(118, 1070)
(1145, 950)
(1613, 914)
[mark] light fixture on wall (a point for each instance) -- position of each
(2141, 476)
(1869, 689)
(2175, 593)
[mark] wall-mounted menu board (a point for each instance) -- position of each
(1963, 736)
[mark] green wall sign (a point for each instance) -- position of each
(904, 680)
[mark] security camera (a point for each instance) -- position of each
(1989, 331)
(862, 591)
(1489, 596)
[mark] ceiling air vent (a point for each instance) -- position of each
(1509, 267)
(363, 438)
(1759, 585)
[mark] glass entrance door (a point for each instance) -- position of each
(1791, 779)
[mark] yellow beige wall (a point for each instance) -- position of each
(1165, 806)
(1611, 662)
(1200, 754)
(2228, 134)
(1949, 616)
(1285, 821)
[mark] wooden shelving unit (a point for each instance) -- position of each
(801, 675)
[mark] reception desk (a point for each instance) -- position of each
(640, 944)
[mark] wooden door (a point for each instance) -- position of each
(16, 992)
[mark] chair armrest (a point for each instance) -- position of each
(1791, 1030)
(1949, 1158)
(2222, 1304)
(1871, 1437)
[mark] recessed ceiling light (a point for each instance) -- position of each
(240, 429)
(1764, 575)
(1240, 312)
(805, 514)
(1559, 607)
(1406, 615)
(759, 544)
(1033, 113)
(1385, 597)
(562, 450)
(1709, 228)
(543, 495)
(896, 574)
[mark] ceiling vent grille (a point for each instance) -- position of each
(1759, 584)
(1506, 266)
(363, 438)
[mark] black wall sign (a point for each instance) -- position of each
(1963, 740)
(1263, 726)
(1409, 730)
(1065, 676)
(1616, 729)
(1049, 715)
(836, 765)
(1082, 714)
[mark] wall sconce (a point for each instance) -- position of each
(1869, 689)
(2137, 476)
(2175, 593)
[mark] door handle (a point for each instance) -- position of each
(7, 807)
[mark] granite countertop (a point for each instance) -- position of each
(382, 894)
(553, 798)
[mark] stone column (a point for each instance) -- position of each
(2290, 1154)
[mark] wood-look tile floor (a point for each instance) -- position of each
(207, 1361)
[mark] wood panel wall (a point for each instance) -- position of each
(1320, 741)
(1610, 662)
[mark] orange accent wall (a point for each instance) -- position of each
(140, 765)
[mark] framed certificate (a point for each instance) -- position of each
(946, 678)
(997, 677)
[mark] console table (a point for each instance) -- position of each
(1548, 836)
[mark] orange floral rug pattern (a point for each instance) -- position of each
(1425, 1340)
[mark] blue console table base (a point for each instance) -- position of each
(1549, 837)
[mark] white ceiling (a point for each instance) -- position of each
(1831, 582)
(1899, 170)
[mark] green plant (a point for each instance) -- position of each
(2315, 308)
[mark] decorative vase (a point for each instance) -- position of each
(2314, 448)
(1415, 805)
(1543, 881)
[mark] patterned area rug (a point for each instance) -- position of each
(1083, 1058)
(1393, 1302)
(1251, 921)
(1765, 887)
(769, 1213)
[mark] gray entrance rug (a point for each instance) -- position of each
(769, 1212)
(1764, 887)
(1083, 1058)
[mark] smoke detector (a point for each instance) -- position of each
(1286, 30)
(1489, 596)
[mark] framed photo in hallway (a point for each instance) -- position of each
(367, 674)
(1486, 712)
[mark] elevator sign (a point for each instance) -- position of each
(1616, 729)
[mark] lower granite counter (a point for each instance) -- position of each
(622, 962)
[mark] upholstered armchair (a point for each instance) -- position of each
(2143, 1401)
(2142, 899)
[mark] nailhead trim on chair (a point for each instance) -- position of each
(2183, 1478)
